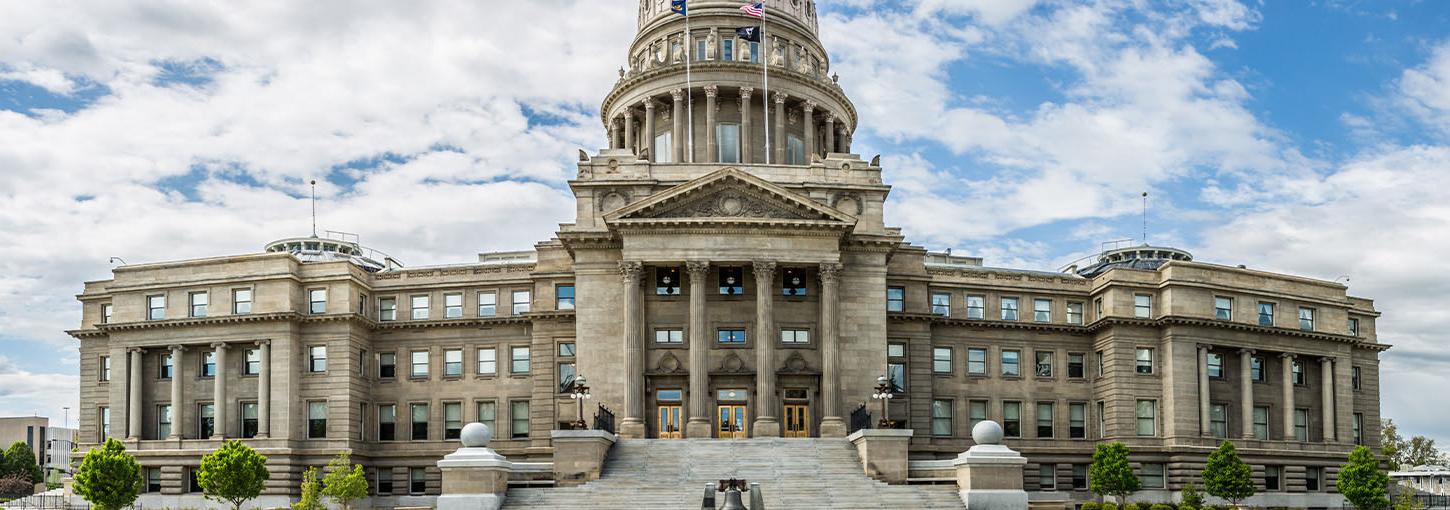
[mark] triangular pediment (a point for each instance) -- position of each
(729, 195)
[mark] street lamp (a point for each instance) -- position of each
(580, 393)
(884, 394)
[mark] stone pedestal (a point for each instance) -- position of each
(989, 475)
(833, 426)
(698, 428)
(579, 455)
(475, 477)
(883, 452)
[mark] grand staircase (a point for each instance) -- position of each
(654, 474)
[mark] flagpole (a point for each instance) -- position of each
(689, 90)
(765, 63)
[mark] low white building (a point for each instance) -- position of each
(58, 450)
(1430, 479)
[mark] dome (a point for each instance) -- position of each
(1137, 257)
(333, 247)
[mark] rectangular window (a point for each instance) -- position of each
(165, 366)
(317, 301)
(519, 360)
(487, 361)
(1357, 424)
(1009, 309)
(1077, 420)
(1012, 419)
(163, 421)
(1047, 477)
(488, 413)
(1076, 365)
(519, 415)
(941, 418)
(193, 484)
(1143, 306)
(976, 307)
(727, 143)
(419, 306)
(1044, 363)
(521, 301)
(896, 372)
(1079, 477)
(732, 336)
(755, 52)
(663, 150)
(1102, 363)
(1147, 417)
(106, 311)
(941, 303)
(1256, 369)
(1011, 363)
(487, 304)
(1153, 476)
(566, 373)
(1218, 420)
(1301, 425)
(317, 359)
(417, 481)
(106, 368)
(419, 364)
(1272, 475)
(1044, 419)
(563, 297)
(1223, 308)
(732, 281)
(1074, 313)
(362, 305)
(453, 363)
(896, 350)
(241, 301)
(418, 416)
(700, 49)
(1144, 360)
(387, 309)
(1261, 423)
(1042, 310)
(452, 420)
(941, 360)
(667, 281)
(1312, 478)
(1306, 319)
(387, 365)
(1297, 373)
(387, 422)
(976, 361)
(1354, 378)
(249, 419)
(156, 307)
(384, 481)
(976, 413)
(670, 336)
(1353, 326)
(251, 362)
(793, 282)
(727, 49)
(452, 306)
(105, 413)
(795, 336)
(1266, 314)
(317, 419)
(208, 364)
(895, 299)
(153, 480)
(198, 301)
(206, 421)
(795, 150)
(1102, 419)
(1215, 365)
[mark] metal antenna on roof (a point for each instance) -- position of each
(1145, 218)
(314, 208)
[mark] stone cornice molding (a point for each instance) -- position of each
(1101, 324)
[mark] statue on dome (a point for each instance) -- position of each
(777, 54)
(676, 49)
(710, 43)
(661, 55)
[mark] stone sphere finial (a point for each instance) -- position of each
(477, 435)
(986, 432)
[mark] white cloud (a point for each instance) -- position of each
(1425, 90)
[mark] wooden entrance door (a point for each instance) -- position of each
(797, 420)
(668, 425)
(733, 424)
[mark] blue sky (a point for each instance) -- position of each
(1306, 137)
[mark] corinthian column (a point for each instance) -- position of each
(712, 153)
(219, 395)
(832, 425)
(629, 130)
(133, 400)
(176, 408)
(1287, 361)
(1246, 393)
(1204, 405)
(699, 421)
(830, 132)
(632, 425)
(677, 116)
(747, 149)
(779, 128)
(766, 424)
(808, 119)
(648, 137)
(1326, 390)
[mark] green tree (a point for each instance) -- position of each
(1362, 483)
(345, 482)
(234, 474)
(109, 478)
(1227, 476)
(1406, 500)
(1110, 474)
(19, 460)
(1191, 496)
(311, 492)
(1404, 453)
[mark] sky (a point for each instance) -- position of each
(1307, 137)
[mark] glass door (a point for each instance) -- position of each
(797, 420)
(732, 424)
(669, 422)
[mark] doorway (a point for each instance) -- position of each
(733, 424)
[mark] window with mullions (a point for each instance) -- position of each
(1074, 313)
(419, 364)
(1042, 310)
(519, 416)
(563, 297)
(895, 299)
(941, 303)
(976, 413)
(317, 420)
(1143, 363)
(317, 359)
(727, 142)
(941, 360)
(1143, 306)
(487, 303)
(452, 305)
(1272, 475)
(1353, 326)
(453, 363)
(1043, 367)
(567, 371)
(208, 364)
(155, 307)
(795, 150)
(1147, 416)
(1266, 314)
(387, 309)
(1153, 476)
(663, 152)
(317, 301)
(1215, 365)
(1047, 477)
(1044, 419)
(732, 281)
(420, 307)
(1079, 477)
(670, 336)
(487, 361)
(976, 361)
(487, 413)
(419, 418)
(1077, 420)
(1261, 423)
(252, 362)
(795, 336)
(793, 282)
(417, 481)
(1355, 381)
(1011, 363)
(206, 421)
(1218, 420)
(107, 309)
(519, 360)
(896, 373)
(1076, 365)
(976, 307)
(522, 301)
(452, 420)
(731, 336)
(1306, 319)
(1297, 373)
(667, 281)
(1009, 309)
(1012, 419)
(198, 303)
(165, 366)
(1256, 369)
(1223, 308)
(727, 50)
(1301, 425)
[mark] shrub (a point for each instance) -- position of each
(19, 460)
(311, 492)
(1191, 497)
(1160, 506)
(15, 486)
(1092, 505)
(1110, 506)
(1130, 506)
(109, 478)
(1186, 506)
(345, 482)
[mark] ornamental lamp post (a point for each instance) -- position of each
(580, 393)
(884, 394)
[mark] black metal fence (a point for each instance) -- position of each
(860, 418)
(604, 419)
(1433, 501)
(51, 502)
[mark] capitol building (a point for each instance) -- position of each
(728, 275)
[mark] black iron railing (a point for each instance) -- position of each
(604, 419)
(860, 418)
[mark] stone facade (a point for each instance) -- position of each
(720, 289)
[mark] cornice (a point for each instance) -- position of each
(203, 321)
(826, 86)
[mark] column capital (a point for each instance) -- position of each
(745, 92)
(1205, 347)
(830, 117)
(1328, 359)
(830, 272)
(648, 104)
(218, 345)
(1248, 351)
(678, 95)
(697, 269)
(136, 350)
(1286, 355)
(764, 271)
(712, 90)
(176, 347)
(780, 97)
(631, 271)
(263, 343)
(809, 107)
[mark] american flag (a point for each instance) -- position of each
(756, 9)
